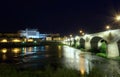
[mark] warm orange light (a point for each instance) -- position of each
(4, 40)
(30, 49)
(82, 65)
(16, 40)
(16, 50)
(107, 27)
(59, 51)
(4, 57)
(117, 18)
(81, 31)
(30, 40)
(4, 50)
(25, 39)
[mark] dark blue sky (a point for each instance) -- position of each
(57, 16)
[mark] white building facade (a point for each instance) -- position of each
(30, 33)
(34, 33)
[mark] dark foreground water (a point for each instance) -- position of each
(60, 56)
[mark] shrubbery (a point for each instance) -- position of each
(103, 47)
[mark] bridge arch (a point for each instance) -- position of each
(96, 42)
(118, 43)
(82, 43)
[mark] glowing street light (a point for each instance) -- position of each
(4, 40)
(107, 27)
(117, 18)
(81, 31)
(70, 35)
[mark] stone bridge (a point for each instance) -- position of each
(89, 41)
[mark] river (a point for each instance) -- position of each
(38, 57)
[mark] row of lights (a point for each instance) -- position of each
(17, 40)
(15, 50)
(81, 33)
(107, 27)
(117, 19)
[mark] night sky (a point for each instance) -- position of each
(57, 16)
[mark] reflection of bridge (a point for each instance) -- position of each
(88, 41)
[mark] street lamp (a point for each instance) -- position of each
(117, 18)
(107, 27)
(81, 31)
(70, 35)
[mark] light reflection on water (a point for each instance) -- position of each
(59, 51)
(40, 56)
(70, 57)
(90, 64)
(4, 57)
(10, 53)
(75, 59)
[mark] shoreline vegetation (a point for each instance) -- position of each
(101, 51)
(8, 70)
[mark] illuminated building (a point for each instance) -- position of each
(29, 33)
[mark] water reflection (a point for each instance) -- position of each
(47, 47)
(29, 49)
(16, 50)
(75, 59)
(4, 57)
(82, 65)
(24, 50)
(59, 51)
(39, 56)
(90, 65)
(10, 53)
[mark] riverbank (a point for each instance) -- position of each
(10, 71)
(27, 44)
(7, 70)
(101, 52)
(105, 56)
